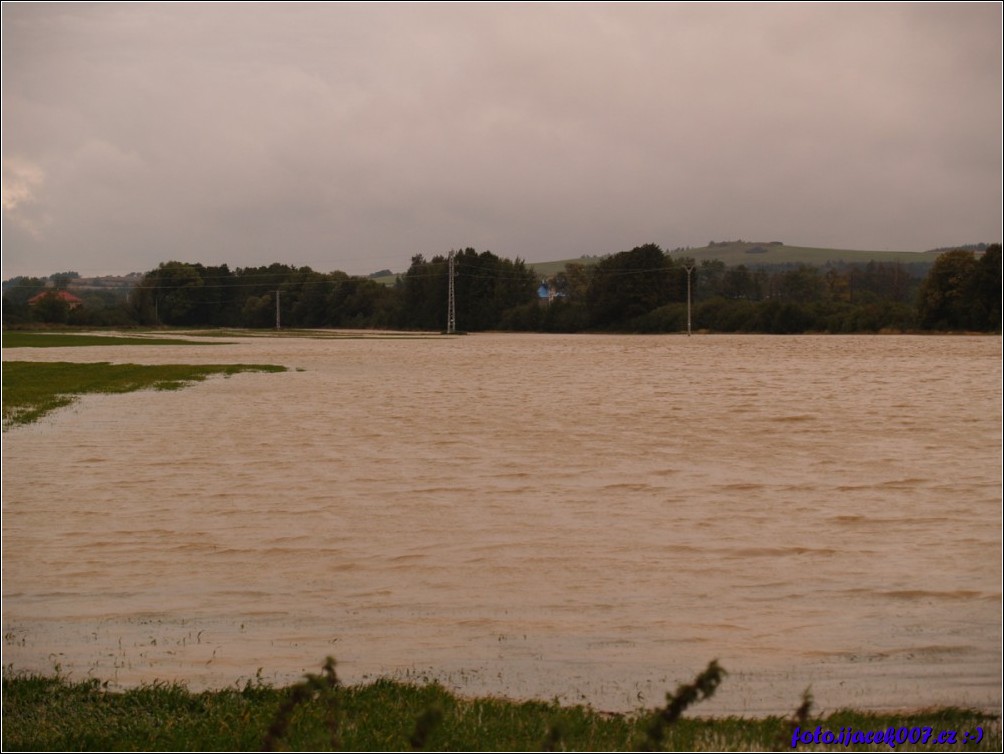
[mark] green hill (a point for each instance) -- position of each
(756, 254)
(751, 254)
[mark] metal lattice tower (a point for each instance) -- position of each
(451, 307)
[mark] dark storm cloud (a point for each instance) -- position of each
(354, 136)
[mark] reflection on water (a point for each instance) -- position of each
(592, 518)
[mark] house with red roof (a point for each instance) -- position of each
(72, 301)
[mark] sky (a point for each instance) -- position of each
(354, 136)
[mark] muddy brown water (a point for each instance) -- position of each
(587, 518)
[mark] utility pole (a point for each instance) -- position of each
(277, 325)
(451, 306)
(690, 270)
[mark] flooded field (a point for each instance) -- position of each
(592, 518)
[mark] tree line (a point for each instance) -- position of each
(642, 290)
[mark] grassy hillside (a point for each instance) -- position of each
(753, 254)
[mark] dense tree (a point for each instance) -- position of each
(485, 288)
(102, 309)
(51, 308)
(61, 280)
(641, 290)
(987, 290)
(171, 295)
(424, 290)
(222, 296)
(16, 293)
(881, 281)
(956, 296)
(802, 285)
(632, 283)
(709, 279)
(724, 315)
(740, 283)
(258, 311)
(304, 298)
(361, 302)
(572, 283)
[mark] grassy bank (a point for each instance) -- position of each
(33, 389)
(320, 714)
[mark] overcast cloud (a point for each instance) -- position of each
(351, 137)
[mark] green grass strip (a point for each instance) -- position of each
(23, 339)
(33, 339)
(31, 389)
(321, 334)
(55, 714)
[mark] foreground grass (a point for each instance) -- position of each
(33, 389)
(55, 714)
(27, 339)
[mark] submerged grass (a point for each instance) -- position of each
(33, 389)
(321, 714)
(321, 334)
(60, 339)
(27, 339)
